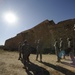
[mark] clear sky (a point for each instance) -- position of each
(32, 12)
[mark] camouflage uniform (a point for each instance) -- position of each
(57, 50)
(20, 51)
(69, 45)
(61, 44)
(26, 50)
(39, 50)
(70, 50)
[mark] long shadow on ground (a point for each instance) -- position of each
(68, 64)
(59, 68)
(33, 69)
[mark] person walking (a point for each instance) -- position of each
(62, 51)
(57, 50)
(39, 50)
(20, 50)
(61, 44)
(70, 50)
(26, 51)
(69, 45)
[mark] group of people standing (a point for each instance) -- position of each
(25, 50)
(60, 49)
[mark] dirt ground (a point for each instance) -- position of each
(10, 65)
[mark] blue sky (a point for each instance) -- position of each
(32, 12)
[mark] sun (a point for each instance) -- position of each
(10, 17)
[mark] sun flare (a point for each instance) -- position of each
(10, 17)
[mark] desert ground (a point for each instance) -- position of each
(10, 65)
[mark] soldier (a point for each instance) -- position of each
(69, 45)
(26, 51)
(57, 50)
(20, 50)
(61, 46)
(70, 50)
(72, 57)
(39, 51)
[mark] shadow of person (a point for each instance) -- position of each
(33, 69)
(68, 64)
(59, 68)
